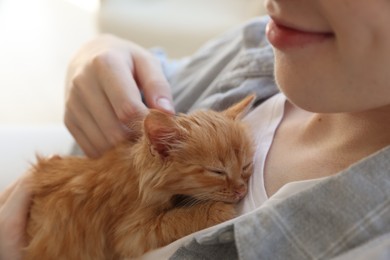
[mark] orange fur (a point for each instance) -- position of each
(124, 203)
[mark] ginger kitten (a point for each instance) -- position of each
(129, 201)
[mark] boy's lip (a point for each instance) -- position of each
(283, 35)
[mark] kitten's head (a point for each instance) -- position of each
(206, 154)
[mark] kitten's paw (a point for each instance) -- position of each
(220, 212)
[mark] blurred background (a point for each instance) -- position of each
(39, 37)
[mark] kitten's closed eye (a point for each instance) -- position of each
(216, 171)
(246, 167)
(247, 171)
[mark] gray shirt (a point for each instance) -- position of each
(342, 217)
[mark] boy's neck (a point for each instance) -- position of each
(323, 144)
(360, 132)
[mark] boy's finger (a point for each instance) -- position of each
(122, 91)
(155, 87)
(18, 201)
(6, 192)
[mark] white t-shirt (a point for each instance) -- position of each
(263, 123)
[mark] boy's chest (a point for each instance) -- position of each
(290, 158)
(284, 165)
(306, 146)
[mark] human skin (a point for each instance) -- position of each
(14, 208)
(103, 86)
(331, 60)
(343, 81)
(347, 72)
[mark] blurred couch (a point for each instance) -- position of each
(178, 26)
(21, 143)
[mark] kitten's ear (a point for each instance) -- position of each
(162, 131)
(238, 110)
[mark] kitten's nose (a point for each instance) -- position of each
(240, 191)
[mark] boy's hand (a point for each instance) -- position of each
(14, 207)
(103, 91)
